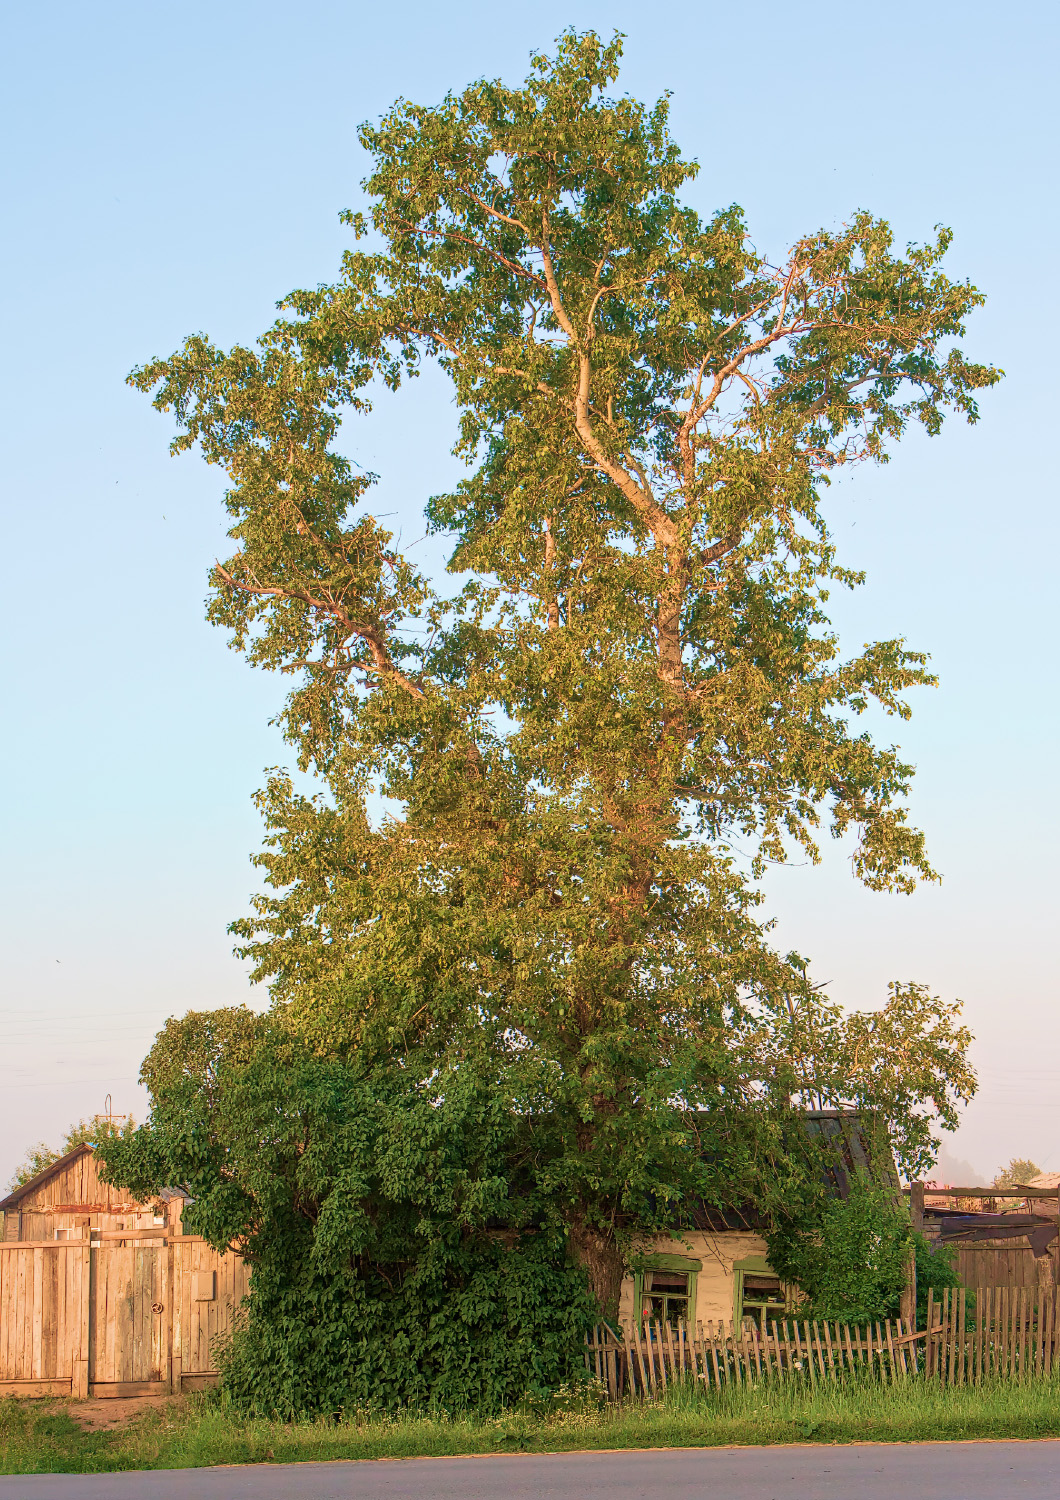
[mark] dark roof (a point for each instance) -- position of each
(851, 1152)
(15, 1197)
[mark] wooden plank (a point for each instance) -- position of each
(658, 1350)
(22, 1370)
(902, 1330)
(828, 1346)
(35, 1388)
(669, 1353)
(1006, 1331)
(19, 1247)
(630, 1375)
(798, 1345)
(714, 1355)
(983, 1319)
(106, 1389)
(851, 1362)
(977, 1373)
(765, 1351)
(966, 1341)
(995, 1327)
(756, 1350)
(892, 1364)
(646, 1383)
(960, 1192)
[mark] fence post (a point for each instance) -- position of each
(79, 1369)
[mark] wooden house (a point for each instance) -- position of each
(716, 1268)
(104, 1296)
(68, 1200)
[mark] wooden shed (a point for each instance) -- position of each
(68, 1199)
(104, 1296)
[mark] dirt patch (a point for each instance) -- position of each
(104, 1416)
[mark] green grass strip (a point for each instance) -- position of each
(43, 1437)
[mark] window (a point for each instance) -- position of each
(759, 1295)
(666, 1296)
(665, 1289)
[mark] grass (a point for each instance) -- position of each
(192, 1432)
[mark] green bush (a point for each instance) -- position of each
(402, 1254)
(936, 1270)
(847, 1255)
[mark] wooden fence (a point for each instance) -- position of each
(640, 1361)
(116, 1315)
(1007, 1333)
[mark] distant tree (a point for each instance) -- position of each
(1017, 1174)
(91, 1131)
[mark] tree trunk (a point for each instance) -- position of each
(602, 1260)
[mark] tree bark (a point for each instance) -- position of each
(603, 1265)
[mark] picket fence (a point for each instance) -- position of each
(1008, 1333)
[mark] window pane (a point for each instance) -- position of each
(761, 1286)
(669, 1281)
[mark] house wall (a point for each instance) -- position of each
(715, 1282)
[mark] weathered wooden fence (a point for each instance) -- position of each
(1010, 1333)
(642, 1360)
(1007, 1333)
(117, 1315)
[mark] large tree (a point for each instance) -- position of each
(637, 667)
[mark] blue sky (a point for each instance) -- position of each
(172, 170)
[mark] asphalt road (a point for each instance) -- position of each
(885, 1471)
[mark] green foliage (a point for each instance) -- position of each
(1017, 1174)
(638, 672)
(403, 1251)
(847, 1255)
(91, 1132)
(936, 1271)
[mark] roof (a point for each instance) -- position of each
(850, 1152)
(1043, 1180)
(14, 1198)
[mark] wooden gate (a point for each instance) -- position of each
(129, 1327)
(120, 1315)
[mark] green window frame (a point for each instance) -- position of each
(764, 1307)
(686, 1265)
